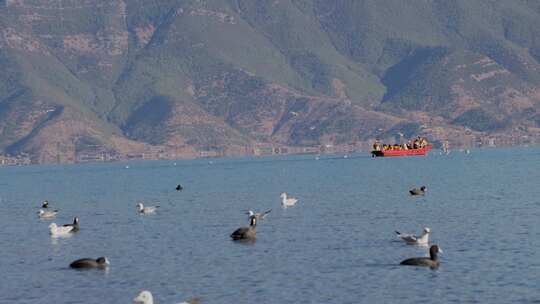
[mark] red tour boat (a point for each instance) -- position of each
(402, 152)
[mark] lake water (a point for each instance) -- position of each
(337, 245)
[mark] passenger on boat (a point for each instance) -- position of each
(417, 143)
(376, 145)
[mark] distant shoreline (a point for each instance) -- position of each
(14, 161)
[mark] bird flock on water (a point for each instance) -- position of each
(246, 233)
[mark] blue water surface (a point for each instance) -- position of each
(337, 245)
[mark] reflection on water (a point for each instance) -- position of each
(55, 238)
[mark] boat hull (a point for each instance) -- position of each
(395, 153)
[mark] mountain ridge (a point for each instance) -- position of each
(91, 80)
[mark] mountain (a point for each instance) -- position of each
(124, 79)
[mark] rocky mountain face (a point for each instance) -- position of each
(120, 79)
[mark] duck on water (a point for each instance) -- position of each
(246, 233)
(417, 191)
(432, 261)
(88, 263)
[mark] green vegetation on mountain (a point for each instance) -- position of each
(196, 76)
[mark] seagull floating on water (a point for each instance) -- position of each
(287, 202)
(59, 231)
(412, 239)
(47, 214)
(432, 261)
(258, 215)
(146, 210)
(145, 297)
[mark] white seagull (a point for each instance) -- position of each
(258, 215)
(145, 297)
(59, 231)
(47, 214)
(412, 239)
(287, 202)
(145, 210)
